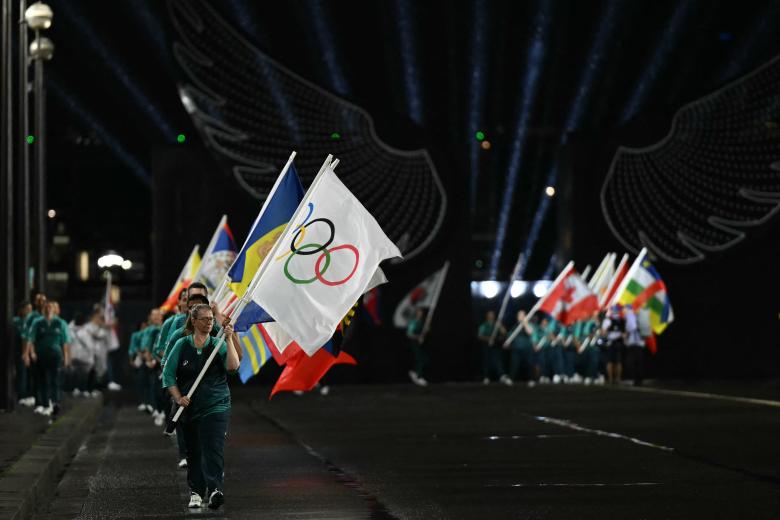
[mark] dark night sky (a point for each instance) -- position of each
(450, 67)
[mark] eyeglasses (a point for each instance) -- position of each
(205, 320)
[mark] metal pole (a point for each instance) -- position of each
(6, 212)
(22, 245)
(40, 174)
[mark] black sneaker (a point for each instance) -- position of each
(216, 499)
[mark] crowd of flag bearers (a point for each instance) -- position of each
(309, 253)
(316, 253)
(582, 331)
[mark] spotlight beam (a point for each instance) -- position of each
(325, 42)
(596, 58)
(476, 93)
(533, 71)
(245, 18)
(664, 47)
(111, 60)
(87, 118)
(411, 69)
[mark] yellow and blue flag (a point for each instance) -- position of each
(256, 353)
(278, 209)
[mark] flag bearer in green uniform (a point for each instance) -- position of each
(161, 355)
(176, 334)
(151, 366)
(136, 362)
(415, 338)
(585, 334)
(167, 326)
(37, 312)
(23, 390)
(49, 339)
(492, 355)
(522, 351)
(206, 415)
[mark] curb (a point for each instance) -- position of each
(33, 478)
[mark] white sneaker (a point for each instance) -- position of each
(599, 380)
(114, 387)
(506, 380)
(587, 381)
(576, 379)
(413, 376)
(141, 407)
(544, 380)
(531, 384)
(195, 501)
(556, 379)
(183, 464)
(159, 420)
(28, 401)
(486, 381)
(325, 390)
(216, 499)
(76, 392)
(39, 409)
(421, 382)
(298, 392)
(96, 393)
(48, 411)
(149, 408)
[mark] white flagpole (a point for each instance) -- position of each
(629, 274)
(505, 302)
(436, 294)
(613, 280)
(226, 280)
(106, 315)
(599, 271)
(606, 276)
(541, 300)
(585, 273)
(244, 300)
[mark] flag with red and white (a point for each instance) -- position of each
(570, 299)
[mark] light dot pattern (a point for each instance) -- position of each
(698, 189)
(253, 112)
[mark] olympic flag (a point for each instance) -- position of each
(323, 264)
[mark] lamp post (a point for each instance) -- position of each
(6, 208)
(38, 18)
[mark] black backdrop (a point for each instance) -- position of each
(727, 321)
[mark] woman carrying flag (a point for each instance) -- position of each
(207, 413)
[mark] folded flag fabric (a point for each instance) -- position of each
(645, 288)
(256, 353)
(182, 281)
(303, 372)
(218, 257)
(570, 300)
(277, 210)
(325, 263)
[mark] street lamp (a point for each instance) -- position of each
(38, 17)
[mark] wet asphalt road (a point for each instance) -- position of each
(449, 451)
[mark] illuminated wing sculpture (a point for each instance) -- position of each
(252, 112)
(714, 175)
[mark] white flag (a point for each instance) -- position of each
(324, 264)
(420, 297)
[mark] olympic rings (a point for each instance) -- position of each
(298, 248)
(300, 281)
(318, 274)
(320, 248)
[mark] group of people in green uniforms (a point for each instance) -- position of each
(167, 356)
(543, 350)
(42, 350)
